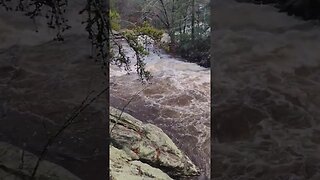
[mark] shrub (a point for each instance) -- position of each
(197, 51)
(114, 20)
(147, 29)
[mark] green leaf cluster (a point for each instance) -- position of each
(132, 39)
(147, 29)
(114, 20)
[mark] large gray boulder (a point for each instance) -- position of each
(148, 144)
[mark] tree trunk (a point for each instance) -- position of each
(192, 20)
(172, 28)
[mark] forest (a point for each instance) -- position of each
(186, 23)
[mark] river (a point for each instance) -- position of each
(176, 99)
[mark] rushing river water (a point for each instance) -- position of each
(177, 99)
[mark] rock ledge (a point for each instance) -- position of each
(141, 150)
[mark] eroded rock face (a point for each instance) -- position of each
(147, 143)
(17, 164)
(123, 166)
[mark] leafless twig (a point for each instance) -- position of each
(122, 110)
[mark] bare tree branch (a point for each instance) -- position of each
(123, 108)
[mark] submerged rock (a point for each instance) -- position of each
(17, 164)
(148, 145)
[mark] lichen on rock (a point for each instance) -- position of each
(147, 144)
(123, 167)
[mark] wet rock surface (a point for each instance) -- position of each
(122, 166)
(149, 146)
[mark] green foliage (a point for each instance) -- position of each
(165, 46)
(114, 20)
(147, 29)
(197, 51)
(121, 59)
(132, 39)
(132, 36)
